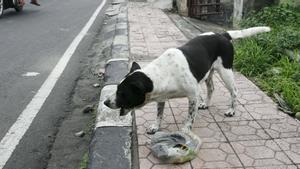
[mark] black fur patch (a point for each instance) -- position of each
(134, 66)
(226, 35)
(133, 89)
(202, 51)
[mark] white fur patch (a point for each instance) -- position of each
(171, 76)
(236, 34)
(206, 33)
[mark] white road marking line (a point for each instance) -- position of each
(18, 129)
(30, 74)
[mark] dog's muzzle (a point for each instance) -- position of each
(124, 112)
(110, 104)
(107, 103)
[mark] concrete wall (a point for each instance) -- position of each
(226, 18)
(162, 4)
(182, 7)
(249, 5)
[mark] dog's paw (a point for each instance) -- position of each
(229, 113)
(202, 106)
(152, 129)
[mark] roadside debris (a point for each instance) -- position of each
(276, 70)
(80, 134)
(100, 73)
(177, 147)
(88, 109)
(115, 3)
(30, 74)
(113, 13)
(293, 54)
(282, 105)
(95, 85)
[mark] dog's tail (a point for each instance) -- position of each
(237, 34)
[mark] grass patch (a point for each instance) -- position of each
(89, 130)
(264, 58)
(84, 161)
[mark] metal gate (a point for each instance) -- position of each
(202, 8)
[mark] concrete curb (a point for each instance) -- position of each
(115, 71)
(114, 136)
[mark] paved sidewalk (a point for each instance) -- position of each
(258, 136)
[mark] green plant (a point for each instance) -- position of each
(273, 16)
(248, 54)
(264, 57)
(287, 88)
(278, 40)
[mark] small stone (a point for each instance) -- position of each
(88, 109)
(80, 134)
(96, 85)
(297, 115)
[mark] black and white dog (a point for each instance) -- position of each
(178, 73)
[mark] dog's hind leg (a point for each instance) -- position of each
(155, 127)
(228, 78)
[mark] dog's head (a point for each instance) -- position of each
(131, 92)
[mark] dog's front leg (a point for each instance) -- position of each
(192, 112)
(202, 104)
(154, 127)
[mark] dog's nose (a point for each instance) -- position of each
(107, 102)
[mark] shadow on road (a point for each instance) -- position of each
(11, 13)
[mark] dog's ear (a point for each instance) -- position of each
(137, 87)
(134, 67)
(141, 86)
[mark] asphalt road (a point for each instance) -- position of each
(34, 41)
